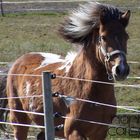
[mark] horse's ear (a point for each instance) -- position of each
(103, 16)
(125, 18)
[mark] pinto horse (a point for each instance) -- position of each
(99, 30)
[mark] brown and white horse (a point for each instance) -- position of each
(99, 29)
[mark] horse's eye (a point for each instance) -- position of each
(103, 38)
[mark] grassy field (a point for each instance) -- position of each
(24, 33)
(27, 32)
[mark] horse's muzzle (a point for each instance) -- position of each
(120, 72)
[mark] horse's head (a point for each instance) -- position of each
(112, 43)
(105, 25)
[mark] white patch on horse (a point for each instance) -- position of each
(36, 84)
(50, 58)
(31, 104)
(32, 99)
(68, 61)
(28, 85)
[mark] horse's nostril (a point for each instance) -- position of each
(122, 72)
(118, 71)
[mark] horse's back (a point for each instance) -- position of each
(24, 77)
(35, 63)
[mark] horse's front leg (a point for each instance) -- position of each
(20, 133)
(75, 135)
(72, 131)
(99, 134)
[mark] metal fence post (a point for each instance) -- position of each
(1, 6)
(48, 106)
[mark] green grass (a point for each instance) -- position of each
(24, 33)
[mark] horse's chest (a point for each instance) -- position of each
(97, 113)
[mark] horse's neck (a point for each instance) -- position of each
(85, 67)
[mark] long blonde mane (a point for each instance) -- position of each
(82, 21)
